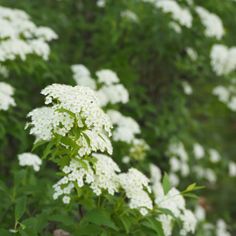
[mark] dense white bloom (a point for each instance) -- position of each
(174, 179)
(105, 175)
(179, 14)
(212, 23)
(100, 175)
(71, 107)
(30, 159)
(125, 127)
(20, 37)
(6, 92)
(198, 151)
(174, 202)
(110, 90)
(129, 15)
(167, 225)
(136, 186)
(189, 222)
(178, 149)
(232, 169)
(223, 59)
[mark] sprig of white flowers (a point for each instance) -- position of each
(19, 36)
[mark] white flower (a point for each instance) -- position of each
(198, 151)
(223, 59)
(105, 175)
(30, 159)
(214, 155)
(189, 222)
(113, 94)
(66, 199)
(129, 15)
(82, 76)
(126, 159)
(212, 23)
(221, 228)
(125, 127)
(20, 37)
(176, 27)
(222, 93)
(72, 107)
(187, 88)
(200, 213)
(174, 179)
(232, 169)
(166, 222)
(179, 14)
(210, 175)
(192, 53)
(6, 93)
(101, 3)
(107, 77)
(136, 186)
(4, 71)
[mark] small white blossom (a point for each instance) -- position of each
(232, 169)
(6, 99)
(223, 59)
(136, 186)
(129, 15)
(179, 14)
(198, 151)
(212, 23)
(214, 155)
(30, 159)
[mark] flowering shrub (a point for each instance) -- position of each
(139, 102)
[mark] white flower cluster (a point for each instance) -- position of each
(179, 14)
(19, 36)
(30, 159)
(125, 127)
(188, 90)
(223, 59)
(226, 95)
(173, 201)
(232, 169)
(72, 107)
(136, 186)
(6, 99)
(101, 175)
(137, 151)
(107, 86)
(212, 23)
(213, 156)
(180, 162)
(221, 228)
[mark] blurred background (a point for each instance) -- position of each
(178, 64)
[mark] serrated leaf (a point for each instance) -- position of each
(20, 207)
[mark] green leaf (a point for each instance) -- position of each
(154, 225)
(101, 217)
(20, 207)
(166, 183)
